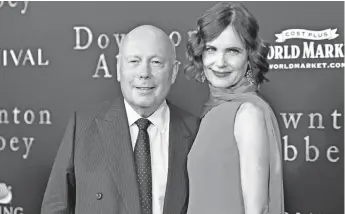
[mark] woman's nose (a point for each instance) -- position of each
(220, 60)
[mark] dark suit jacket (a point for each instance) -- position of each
(94, 172)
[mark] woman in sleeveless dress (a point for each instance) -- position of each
(235, 164)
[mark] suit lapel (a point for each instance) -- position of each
(114, 130)
(176, 190)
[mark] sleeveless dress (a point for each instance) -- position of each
(214, 164)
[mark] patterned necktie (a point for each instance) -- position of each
(142, 159)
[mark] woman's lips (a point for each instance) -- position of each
(221, 74)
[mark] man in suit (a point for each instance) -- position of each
(128, 156)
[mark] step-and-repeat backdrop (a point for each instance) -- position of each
(59, 57)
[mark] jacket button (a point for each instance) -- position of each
(99, 196)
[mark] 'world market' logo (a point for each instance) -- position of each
(322, 51)
(327, 34)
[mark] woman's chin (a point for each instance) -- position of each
(221, 83)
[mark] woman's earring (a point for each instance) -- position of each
(249, 75)
(203, 78)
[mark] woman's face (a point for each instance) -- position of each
(225, 59)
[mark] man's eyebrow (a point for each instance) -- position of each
(132, 55)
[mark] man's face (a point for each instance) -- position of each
(146, 72)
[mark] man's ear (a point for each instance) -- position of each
(118, 67)
(175, 70)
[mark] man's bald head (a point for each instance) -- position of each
(146, 68)
(150, 35)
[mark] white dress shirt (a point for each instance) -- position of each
(159, 145)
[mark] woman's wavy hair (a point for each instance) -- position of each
(212, 23)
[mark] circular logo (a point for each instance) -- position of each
(5, 194)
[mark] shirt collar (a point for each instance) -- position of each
(159, 118)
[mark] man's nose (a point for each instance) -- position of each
(145, 71)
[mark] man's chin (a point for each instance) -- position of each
(144, 102)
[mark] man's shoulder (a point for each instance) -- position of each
(190, 119)
(181, 112)
(95, 110)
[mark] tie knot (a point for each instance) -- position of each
(143, 123)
